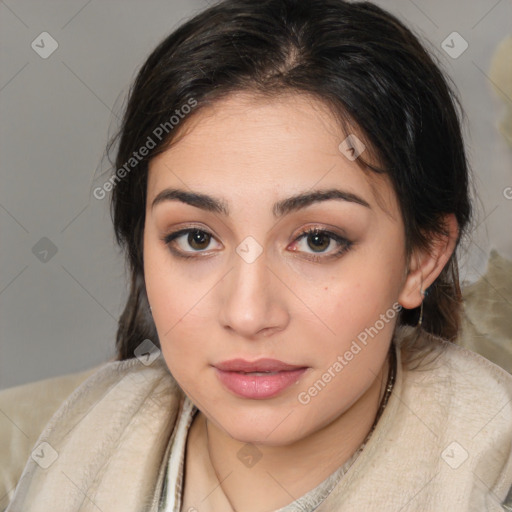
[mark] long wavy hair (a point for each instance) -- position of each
(361, 61)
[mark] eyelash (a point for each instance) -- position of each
(344, 244)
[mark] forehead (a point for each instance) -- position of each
(247, 143)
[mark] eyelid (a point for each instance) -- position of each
(343, 243)
(170, 237)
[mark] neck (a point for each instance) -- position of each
(287, 472)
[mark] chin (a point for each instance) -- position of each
(277, 428)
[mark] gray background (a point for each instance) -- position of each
(59, 316)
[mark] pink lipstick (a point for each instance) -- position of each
(264, 378)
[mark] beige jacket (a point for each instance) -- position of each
(444, 442)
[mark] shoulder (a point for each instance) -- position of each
(465, 400)
(450, 368)
(476, 392)
(25, 410)
(48, 405)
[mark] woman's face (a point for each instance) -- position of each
(246, 283)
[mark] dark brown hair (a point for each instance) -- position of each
(363, 63)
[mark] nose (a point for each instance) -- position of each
(253, 301)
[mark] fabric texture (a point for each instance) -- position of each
(444, 442)
(487, 320)
(24, 411)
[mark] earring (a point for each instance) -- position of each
(421, 308)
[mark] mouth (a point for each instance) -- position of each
(259, 373)
(264, 365)
(262, 379)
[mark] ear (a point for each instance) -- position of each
(426, 265)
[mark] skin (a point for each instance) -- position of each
(252, 152)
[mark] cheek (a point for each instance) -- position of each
(180, 312)
(171, 287)
(358, 311)
(359, 315)
(351, 300)
(166, 291)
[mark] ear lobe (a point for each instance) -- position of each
(427, 264)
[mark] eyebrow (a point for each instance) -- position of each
(283, 207)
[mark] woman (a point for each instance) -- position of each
(290, 189)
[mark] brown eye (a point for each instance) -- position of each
(198, 239)
(318, 241)
(188, 242)
(319, 244)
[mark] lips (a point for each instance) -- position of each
(261, 365)
(257, 380)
